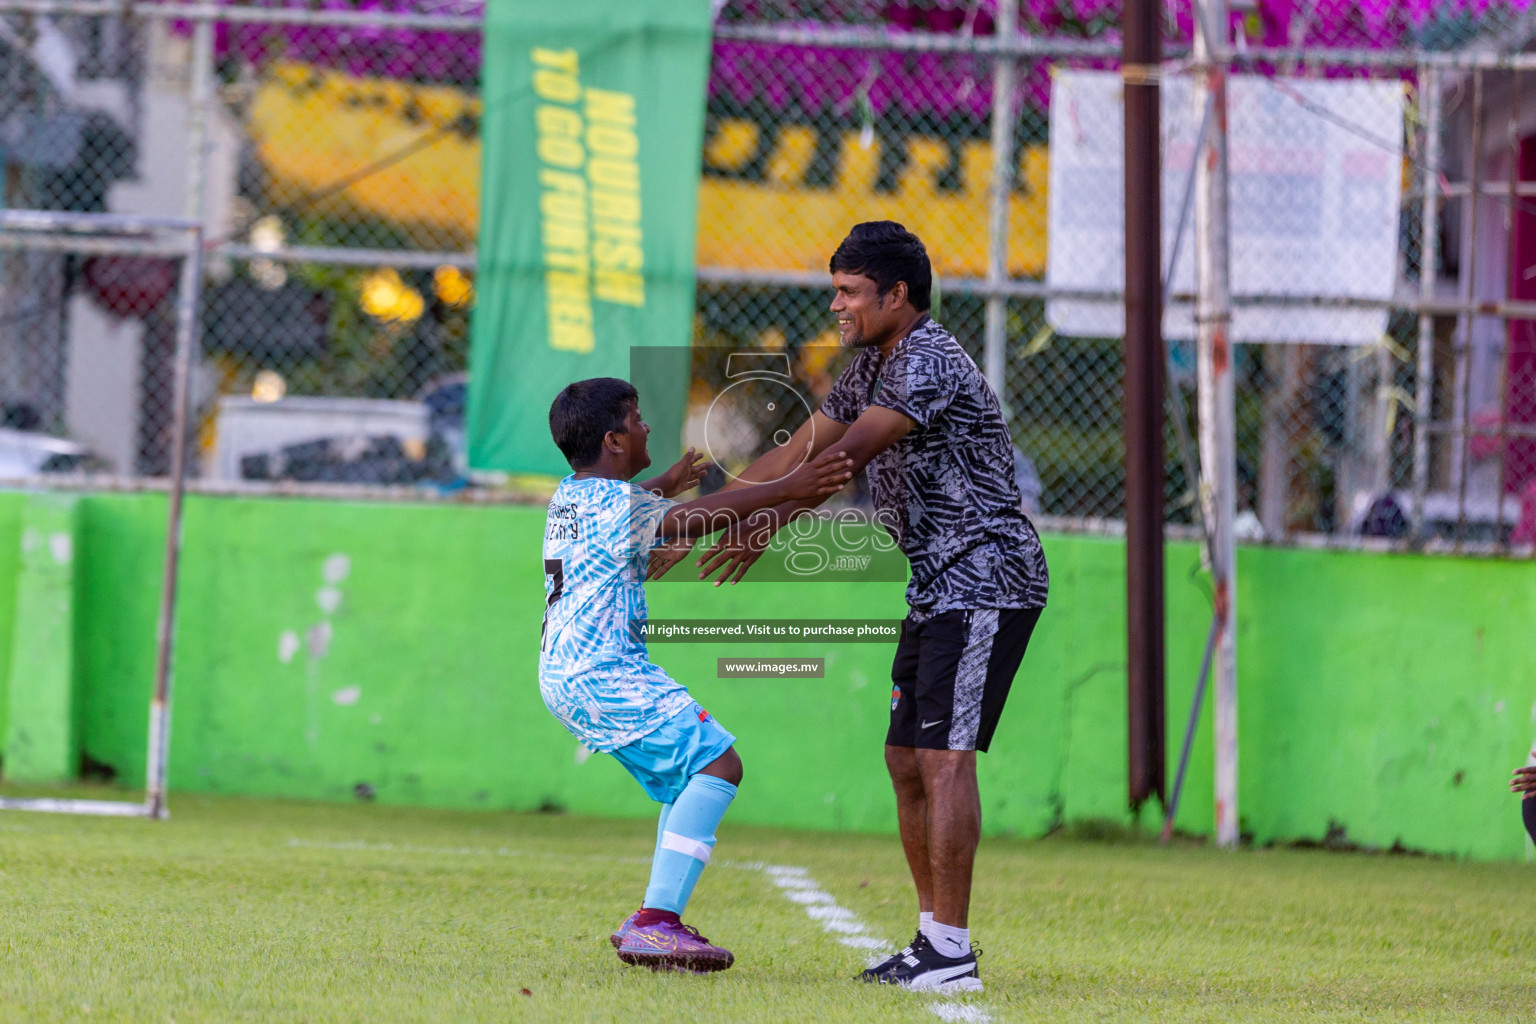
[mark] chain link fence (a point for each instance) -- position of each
(334, 155)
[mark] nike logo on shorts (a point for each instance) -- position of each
(930, 725)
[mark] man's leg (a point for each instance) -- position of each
(948, 778)
(911, 802)
(966, 665)
(973, 693)
(912, 818)
(939, 811)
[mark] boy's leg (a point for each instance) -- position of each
(690, 761)
(727, 766)
(687, 836)
(617, 938)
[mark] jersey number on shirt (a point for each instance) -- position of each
(554, 569)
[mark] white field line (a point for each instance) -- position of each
(794, 883)
(969, 1013)
(797, 886)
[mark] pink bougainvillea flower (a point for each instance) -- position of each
(786, 79)
(1375, 13)
(1087, 10)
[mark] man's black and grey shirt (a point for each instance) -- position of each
(946, 490)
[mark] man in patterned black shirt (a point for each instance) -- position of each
(916, 413)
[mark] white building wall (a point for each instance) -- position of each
(104, 351)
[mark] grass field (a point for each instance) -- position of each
(250, 910)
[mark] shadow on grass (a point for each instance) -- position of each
(1336, 839)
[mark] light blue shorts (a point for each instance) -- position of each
(663, 761)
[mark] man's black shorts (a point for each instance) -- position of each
(952, 673)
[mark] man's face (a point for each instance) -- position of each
(637, 431)
(864, 317)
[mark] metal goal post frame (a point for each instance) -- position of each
(123, 234)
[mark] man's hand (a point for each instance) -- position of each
(665, 556)
(824, 475)
(742, 545)
(738, 548)
(1524, 781)
(682, 475)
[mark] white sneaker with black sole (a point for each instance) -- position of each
(922, 968)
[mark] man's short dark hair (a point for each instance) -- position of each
(886, 252)
(587, 410)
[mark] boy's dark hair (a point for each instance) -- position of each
(585, 411)
(886, 252)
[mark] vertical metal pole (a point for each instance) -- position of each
(1189, 732)
(1143, 401)
(1429, 251)
(1218, 438)
(1381, 440)
(1004, 161)
(165, 634)
(1463, 395)
(1175, 394)
(1505, 395)
(1274, 496)
(199, 93)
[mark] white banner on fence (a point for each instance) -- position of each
(1314, 193)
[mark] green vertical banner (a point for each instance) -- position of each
(593, 129)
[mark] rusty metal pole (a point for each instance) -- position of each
(1218, 417)
(188, 287)
(1143, 401)
(199, 98)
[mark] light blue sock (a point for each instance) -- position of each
(685, 837)
(661, 831)
(661, 826)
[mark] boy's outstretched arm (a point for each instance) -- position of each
(821, 476)
(682, 475)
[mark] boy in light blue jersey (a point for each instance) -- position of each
(594, 672)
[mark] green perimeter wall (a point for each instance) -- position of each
(322, 645)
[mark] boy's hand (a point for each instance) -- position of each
(665, 556)
(826, 474)
(682, 475)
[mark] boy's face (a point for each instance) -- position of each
(636, 432)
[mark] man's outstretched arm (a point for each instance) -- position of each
(810, 439)
(876, 429)
(815, 435)
(814, 480)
